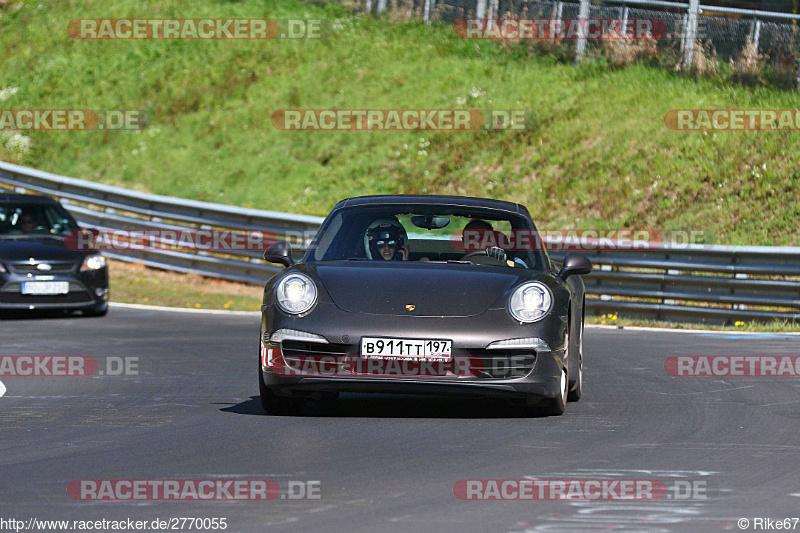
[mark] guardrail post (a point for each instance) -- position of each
(756, 33)
(691, 33)
(480, 9)
(426, 16)
(625, 14)
(556, 14)
(683, 38)
(580, 48)
(492, 9)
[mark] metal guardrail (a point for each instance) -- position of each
(691, 26)
(671, 282)
(696, 283)
(96, 205)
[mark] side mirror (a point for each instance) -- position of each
(279, 252)
(575, 264)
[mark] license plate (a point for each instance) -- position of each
(382, 347)
(45, 287)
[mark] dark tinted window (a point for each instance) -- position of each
(20, 218)
(345, 233)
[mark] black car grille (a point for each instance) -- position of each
(55, 268)
(301, 349)
(11, 293)
(41, 299)
(314, 358)
(507, 365)
(306, 358)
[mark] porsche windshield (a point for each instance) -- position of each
(428, 233)
(34, 219)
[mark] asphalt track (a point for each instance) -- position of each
(389, 463)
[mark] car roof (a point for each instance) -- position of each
(460, 201)
(27, 198)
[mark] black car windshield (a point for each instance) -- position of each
(34, 219)
(428, 233)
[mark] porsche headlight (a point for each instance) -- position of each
(2, 268)
(296, 293)
(93, 262)
(530, 302)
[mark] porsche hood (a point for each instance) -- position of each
(416, 289)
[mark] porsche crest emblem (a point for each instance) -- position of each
(410, 307)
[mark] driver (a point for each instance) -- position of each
(386, 239)
(479, 228)
(25, 224)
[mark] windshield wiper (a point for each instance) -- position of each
(31, 237)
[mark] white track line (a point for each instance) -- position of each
(676, 330)
(185, 310)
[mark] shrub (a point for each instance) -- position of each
(624, 51)
(746, 68)
(403, 11)
(705, 62)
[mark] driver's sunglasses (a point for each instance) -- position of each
(386, 243)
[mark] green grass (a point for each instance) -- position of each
(599, 155)
(134, 283)
(771, 326)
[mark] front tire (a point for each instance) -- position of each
(278, 405)
(576, 387)
(556, 406)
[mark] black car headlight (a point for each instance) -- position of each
(93, 262)
(530, 302)
(2, 268)
(296, 293)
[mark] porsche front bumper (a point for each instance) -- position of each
(476, 369)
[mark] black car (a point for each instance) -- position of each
(424, 295)
(38, 271)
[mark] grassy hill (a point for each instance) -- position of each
(599, 155)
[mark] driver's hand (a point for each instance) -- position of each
(496, 253)
(404, 252)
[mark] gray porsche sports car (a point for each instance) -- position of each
(431, 295)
